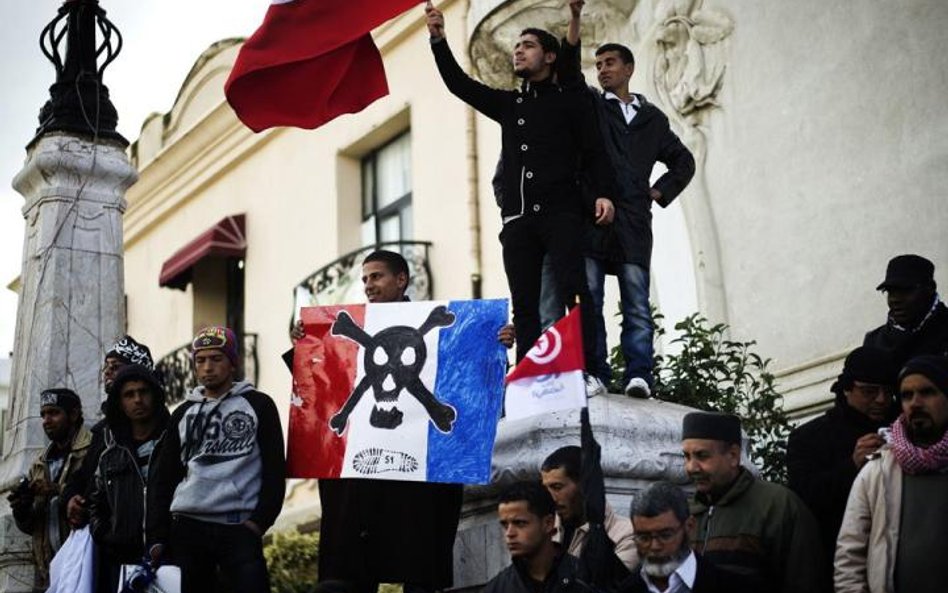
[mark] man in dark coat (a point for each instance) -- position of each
(825, 454)
(386, 531)
(136, 419)
(636, 135)
(527, 516)
(662, 521)
(757, 529)
(548, 140)
(918, 320)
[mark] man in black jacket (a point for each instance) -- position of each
(918, 320)
(387, 531)
(527, 515)
(662, 522)
(136, 418)
(825, 454)
(636, 135)
(549, 140)
(220, 479)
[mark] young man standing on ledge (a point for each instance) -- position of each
(550, 139)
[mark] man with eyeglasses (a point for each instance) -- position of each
(662, 521)
(825, 454)
(757, 529)
(918, 320)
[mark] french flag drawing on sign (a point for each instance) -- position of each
(397, 391)
(550, 376)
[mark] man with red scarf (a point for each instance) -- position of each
(897, 513)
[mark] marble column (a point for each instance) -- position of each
(71, 304)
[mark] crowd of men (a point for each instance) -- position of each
(867, 502)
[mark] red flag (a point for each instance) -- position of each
(309, 62)
(550, 376)
(558, 350)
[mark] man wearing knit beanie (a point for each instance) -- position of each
(893, 531)
(760, 530)
(825, 454)
(220, 476)
(125, 351)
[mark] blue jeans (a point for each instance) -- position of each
(637, 329)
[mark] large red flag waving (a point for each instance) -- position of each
(309, 62)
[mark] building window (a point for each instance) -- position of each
(386, 193)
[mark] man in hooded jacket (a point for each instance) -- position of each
(220, 480)
(135, 422)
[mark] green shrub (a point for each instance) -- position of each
(291, 560)
(712, 373)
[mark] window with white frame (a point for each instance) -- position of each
(386, 192)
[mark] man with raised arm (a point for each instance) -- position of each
(549, 140)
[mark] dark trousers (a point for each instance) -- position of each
(201, 548)
(373, 587)
(526, 241)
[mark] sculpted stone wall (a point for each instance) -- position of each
(817, 133)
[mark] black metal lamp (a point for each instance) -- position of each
(79, 102)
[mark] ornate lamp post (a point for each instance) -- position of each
(71, 303)
(79, 102)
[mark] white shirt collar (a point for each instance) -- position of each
(629, 110)
(635, 99)
(680, 581)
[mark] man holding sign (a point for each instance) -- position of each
(395, 405)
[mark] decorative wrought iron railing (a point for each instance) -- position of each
(341, 281)
(177, 372)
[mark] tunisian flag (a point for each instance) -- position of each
(550, 376)
(309, 62)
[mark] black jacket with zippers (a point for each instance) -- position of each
(117, 497)
(549, 141)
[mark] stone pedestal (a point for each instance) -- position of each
(641, 443)
(71, 305)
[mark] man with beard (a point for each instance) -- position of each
(549, 141)
(220, 477)
(759, 530)
(892, 537)
(527, 515)
(825, 454)
(561, 474)
(136, 418)
(37, 504)
(124, 352)
(668, 565)
(918, 320)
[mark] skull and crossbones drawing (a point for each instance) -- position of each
(393, 359)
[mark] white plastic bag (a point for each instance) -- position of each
(167, 578)
(72, 568)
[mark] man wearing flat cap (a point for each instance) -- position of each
(825, 454)
(37, 503)
(918, 320)
(893, 532)
(745, 525)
